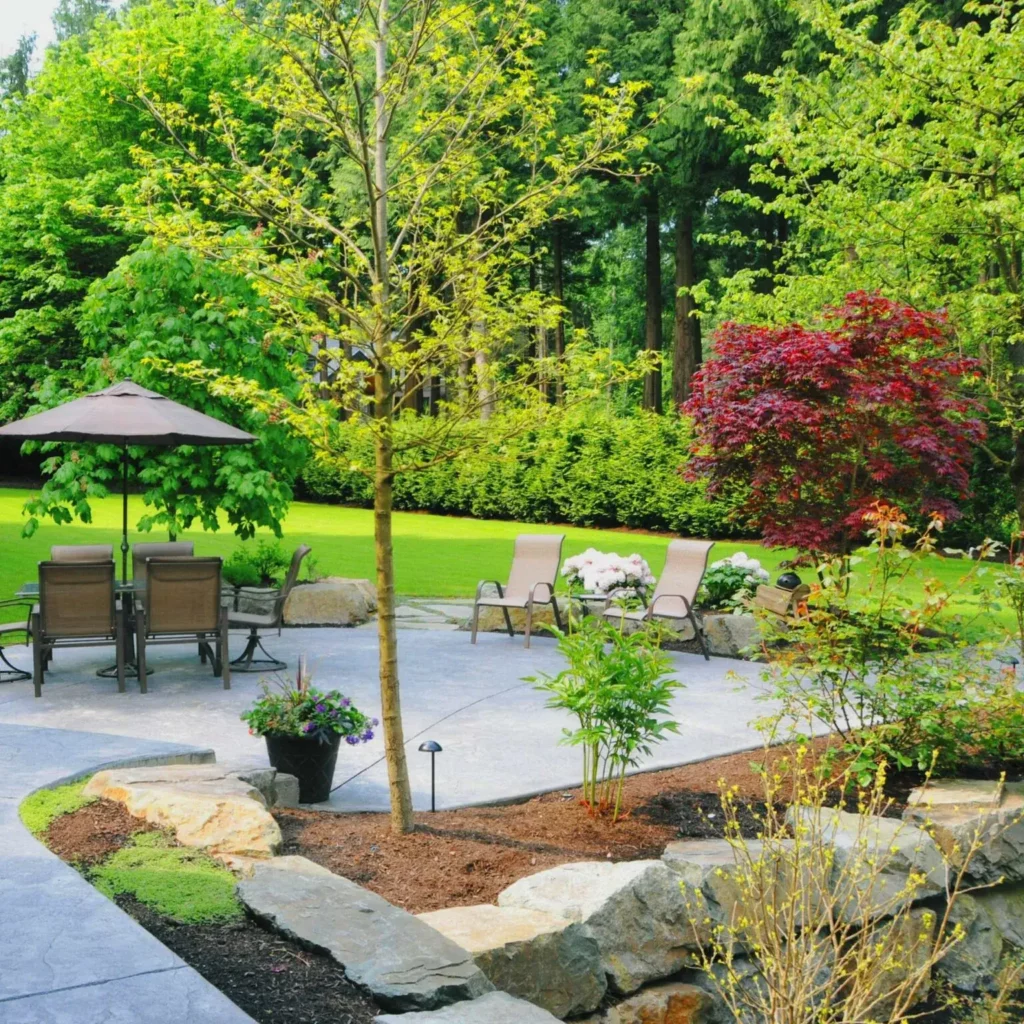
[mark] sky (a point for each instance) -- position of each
(22, 17)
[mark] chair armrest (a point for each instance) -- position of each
(543, 583)
(483, 583)
(21, 602)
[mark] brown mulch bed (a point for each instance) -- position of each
(272, 979)
(458, 858)
(92, 833)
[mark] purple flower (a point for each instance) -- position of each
(345, 702)
(334, 712)
(368, 735)
(320, 708)
(374, 721)
(351, 740)
(309, 727)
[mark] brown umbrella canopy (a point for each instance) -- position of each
(126, 414)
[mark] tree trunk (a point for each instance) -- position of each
(652, 323)
(558, 290)
(384, 477)
(387, 637)
(485, 392)
(686, 348)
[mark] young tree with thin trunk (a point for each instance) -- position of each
(382, 213)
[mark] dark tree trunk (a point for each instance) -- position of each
(652, 322)
(687, 353)
(558, 290)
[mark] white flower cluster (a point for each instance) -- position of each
(599, 572)
(755, 573)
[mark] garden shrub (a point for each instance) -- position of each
(584, 466)
(183, 884)
(39, 809)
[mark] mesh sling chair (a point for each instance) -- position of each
(82, 553)
(183, 605)
(531, 579)
(158, 549)
(19, 631)
(270, 620)
(76, 608)
(676, 590)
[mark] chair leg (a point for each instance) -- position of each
(508, 623)
(247, 660)
(11, 674)
(558, 614)
(140, 648)
(119, 639)
(225, 664)
(37, 657)
(529, 620)
(476, 621)
(700, 636)
(202, 652)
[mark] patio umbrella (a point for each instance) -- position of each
(125, 414)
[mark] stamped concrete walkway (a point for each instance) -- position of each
(499, 740)
(67, 954)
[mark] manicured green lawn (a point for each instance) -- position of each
(435, 556)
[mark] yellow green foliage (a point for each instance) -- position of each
(40, 808)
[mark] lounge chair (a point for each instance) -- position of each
(82, 553)
(183, 605)
(76, 609)
(535, 565)
(20, 629)
(270, 620)
(685, 564)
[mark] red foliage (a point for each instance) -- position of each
(818, 425)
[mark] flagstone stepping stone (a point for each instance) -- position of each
(207, 806)
(494, 1008)
(404, 963)
(529, 954)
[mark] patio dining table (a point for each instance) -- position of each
(125, 589)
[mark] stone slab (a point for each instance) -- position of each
(494, 1008)
(529, 954)
(402, 961)
(207, 807)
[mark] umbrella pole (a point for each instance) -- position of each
(124, 513)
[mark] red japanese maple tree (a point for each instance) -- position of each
(815, 426)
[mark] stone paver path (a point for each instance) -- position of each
(67, 954)
(499, 740)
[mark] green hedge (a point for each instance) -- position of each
(585, 467)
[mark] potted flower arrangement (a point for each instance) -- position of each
(304, 728)
(597, 572)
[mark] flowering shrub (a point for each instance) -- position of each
(599, 573)
(303, 711)
(729, 582)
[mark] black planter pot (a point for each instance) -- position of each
(309, 760)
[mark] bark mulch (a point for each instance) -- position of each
(92, 833)
(273, 980)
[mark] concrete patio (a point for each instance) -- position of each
(499, 740)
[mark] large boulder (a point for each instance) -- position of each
(334, 601)
(730, 635)
(403, 962)
(207, 806)
(529, 954)
(672, 1003)
(980, 822)
(494, 1008)
(902, 948)
(635, 910)
(973, 962)
(879, 864)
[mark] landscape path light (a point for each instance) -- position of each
(433, 748)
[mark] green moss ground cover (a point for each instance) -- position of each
(39, 809)
(435, 556)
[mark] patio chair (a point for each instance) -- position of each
(8, 631)
(270, 620)
(82, 553)
(164, 549)
(183, 605)
(535, 564)
(676, 590)
(76, 608)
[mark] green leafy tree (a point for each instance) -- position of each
(386, 219)
(77, 17)
(15, 68)
(897, 158)
(163, 304)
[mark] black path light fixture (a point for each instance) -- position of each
(433, 748)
